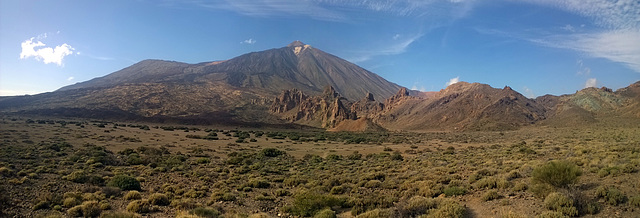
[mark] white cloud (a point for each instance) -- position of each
(390, 49)
(45, 54)
(528, 92)
(621, 14)
(569, 28)
(453, 81)
(248, 41)
(70, 78)
(618, 46)
(591, 82)
(395, 37)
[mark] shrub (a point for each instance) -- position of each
(75, 211)
(91, 209)
(454, 191)
(133, 195)
(635, 201)
(257, 183)
(119, 215)
(491, 195)
(541, 190)
(205, 212)
(378, 213)
(139, 206)
(418, 205)
(271, 152)
(124, 182)
(159, 199)
(557, 173)
(448, 208)
(560, 203)
(308, 203)
(41, 205)
(487, 183)
(70, 202)
(520, 187)
(611, 195)
(551, 214)
(326, 213)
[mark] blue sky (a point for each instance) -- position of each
(535, 46)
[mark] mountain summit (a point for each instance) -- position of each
(296, 44)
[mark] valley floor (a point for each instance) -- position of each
(59, 168)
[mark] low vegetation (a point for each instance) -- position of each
(80, 170)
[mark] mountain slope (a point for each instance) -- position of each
(295, 66)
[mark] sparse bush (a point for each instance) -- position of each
(139, 206)
(205, 212)
(454, 191)
(41, 205)
(611, 195)
(257, 183)
(541, 190)
(520, 187)
(124, 182)
(326, 213)
(418, 205)
(133, 195)
(91, 209)
(557, 173)
(308, 203)
(70, 202)
(378, 213)
(635, 201)
(119, 215)
(448, 208)
(488, 183)
(490, 195)
(75, 211)
(552, 214)
(271, 152)
(159, 199)
(560, 203)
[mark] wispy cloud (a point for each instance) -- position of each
(619, 46)
(453, 81)
(333, 10)
(70, 78)
(397, 46)
(591, 82)
(248, 41)
(31, 48)
(528, 92)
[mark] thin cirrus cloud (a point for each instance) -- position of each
(398, 46)
(47, 55)
(617, 37)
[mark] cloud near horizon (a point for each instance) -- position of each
(45, 54)
(453, 81)
(591, 82)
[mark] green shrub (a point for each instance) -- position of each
(75, 211)
(326, 213)
(490, 195)
(560, 203)
(488, 183)
(378, 213)
(91, 209)
(520, 187)
(635, 201)
(454, 191)
(611, 195)
(448, 208)
(41, 205)
(70, 202)
(541, 190)
(271, 152)
(205, 212)
(308, 203)
(557, 173)
(124, 182)
(133, 195)
(418, 205)
(139, 206)
(258, 183)
(552, 214)
(119, 215)
(159, 199)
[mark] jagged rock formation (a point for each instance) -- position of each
(325, 110)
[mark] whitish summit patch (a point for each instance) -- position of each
(298, 46)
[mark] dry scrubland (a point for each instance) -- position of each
(60, 168)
